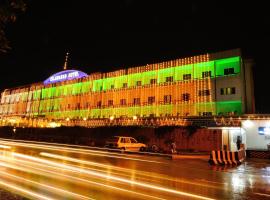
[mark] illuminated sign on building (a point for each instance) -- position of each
(264, 130)
(64, 76)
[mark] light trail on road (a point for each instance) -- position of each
(36, 170)
(81, 151)
(47, 171)
(31, 168)
(4, 147)
(111, 167)
(105, 176)
(82, 147)
(20, 190)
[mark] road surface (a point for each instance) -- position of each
(38, 170)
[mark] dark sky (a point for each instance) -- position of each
(108, 35)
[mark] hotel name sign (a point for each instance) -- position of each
(64, 76)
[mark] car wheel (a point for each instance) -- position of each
(142, 149)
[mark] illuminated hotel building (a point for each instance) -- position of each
(218, 84)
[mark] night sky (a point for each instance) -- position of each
(108, 35)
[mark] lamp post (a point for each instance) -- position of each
(67, 120)
(85, 123)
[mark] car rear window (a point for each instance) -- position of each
(133, 140)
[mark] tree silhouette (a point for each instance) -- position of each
(9, 10)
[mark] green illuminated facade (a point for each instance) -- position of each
(207, 85)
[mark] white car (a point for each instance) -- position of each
(125, 143)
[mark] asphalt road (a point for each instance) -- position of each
(50, 171)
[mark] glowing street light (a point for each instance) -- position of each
(111, 118)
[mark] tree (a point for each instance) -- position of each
(9, 10)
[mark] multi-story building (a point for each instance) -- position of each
(205, 85)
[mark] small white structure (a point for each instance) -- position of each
(229, 137)
(257, 134)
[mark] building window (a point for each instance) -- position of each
(169, 79)
(152, 115)
(185, 97)
(232, 90)
(228, 71)
(110, 103)
(99, 104)
(167, 98)
(222, 91)
(124, 85)
(204, 92)
(123, 102)
(100, 88)
(153, 81)
(151, 100)
(136, 101)
(205, 113)
(186, 76)
(77, 106)
(227, 91)
(112, 86)
(87, 104)
(206, 74)
(138, 83)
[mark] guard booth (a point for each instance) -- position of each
(229, 137)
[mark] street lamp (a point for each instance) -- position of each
(67, 119)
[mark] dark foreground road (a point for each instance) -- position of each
(48, 171)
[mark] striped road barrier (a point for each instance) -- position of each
(227, 157)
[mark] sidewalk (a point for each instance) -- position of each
(189, 155)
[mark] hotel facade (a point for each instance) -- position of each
(216, 84)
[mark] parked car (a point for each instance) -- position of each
(125, 143)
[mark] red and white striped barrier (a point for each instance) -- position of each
(227, 157)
